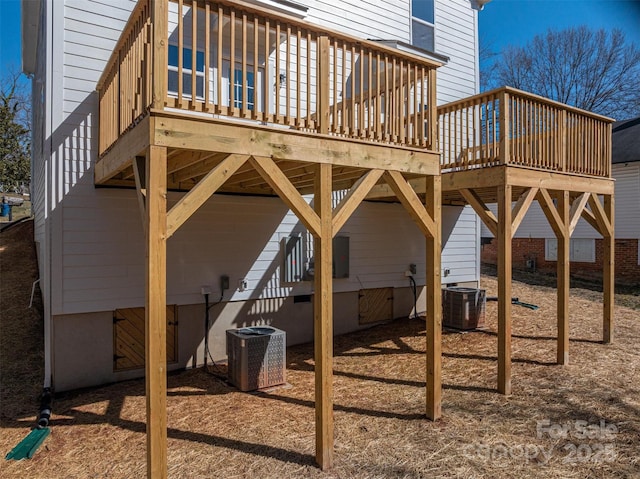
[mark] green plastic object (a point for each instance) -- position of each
(29, 445)
(526, 305)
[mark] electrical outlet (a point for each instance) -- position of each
(412, 268)
(224, 282)
(205, 289)
(408, 274)
(243, 284)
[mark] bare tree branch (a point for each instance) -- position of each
(593, 70)
(15, 134)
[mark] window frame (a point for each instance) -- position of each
(423, 22)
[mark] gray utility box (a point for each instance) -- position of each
(257, 357)
(463, 308)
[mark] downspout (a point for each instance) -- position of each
(47, 199)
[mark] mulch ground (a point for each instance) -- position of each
(575, 421)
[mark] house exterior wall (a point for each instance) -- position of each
(94, 258)
(529, 240)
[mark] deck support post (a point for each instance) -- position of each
(608, 271)
(156, 311)
(433, 200)
(504, 288)
(323, 318)
(563, 269)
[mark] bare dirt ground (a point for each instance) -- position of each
(575, 421)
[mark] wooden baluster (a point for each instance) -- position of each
(232, 63)
(432, 102)
(287, 78)
(361, 126)
(219, 97)
(256, 47)
(414, 135)
(376, 109)
(276, 73)
(266, 93)
(194, 53)
(345, 129)
(308, 85)
(369, 124)
(298, 115)
(180, 52)
(338, 119)
(245, 100)
(207, 55)
(323, 84)
(393, 123)
(387, 100)
(352, 104)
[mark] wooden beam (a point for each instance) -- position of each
(207, 186)
(563, 278)
(549, 209)
(434, 300)
(200, 168)
(550, 180)
(485, 214)
(175, 130)
(577, 208)
(356, 194)
(120, 156)
(504, 289)
(521, 208)
(323, 318)
(139, 172)
(411, 202)
(608, 271)
(600, 215)
(287, 192)
(590, 218)
(155, 313)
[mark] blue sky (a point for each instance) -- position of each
(515, 22)
(502, 22)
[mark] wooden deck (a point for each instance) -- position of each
(267, 105)
(271, 105)
(511, 148)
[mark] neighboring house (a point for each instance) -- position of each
(90, 240)
(534, 246)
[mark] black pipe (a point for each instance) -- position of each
(414, 288)
(44, 414)
(206, 329)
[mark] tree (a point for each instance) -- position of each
(593, 70)
(15, 137)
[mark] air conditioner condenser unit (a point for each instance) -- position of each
(257, 357)
(463, 308)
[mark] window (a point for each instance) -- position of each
(187, 63)
(581, 250)
(422, 24)
(237, 89)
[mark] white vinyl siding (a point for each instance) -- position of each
(240, 237)
(97, 253)
(456, 29)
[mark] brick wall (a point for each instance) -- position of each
(627, 268)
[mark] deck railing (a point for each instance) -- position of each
(509, 126)
(230, 59)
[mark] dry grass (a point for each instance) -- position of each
(216, 431)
